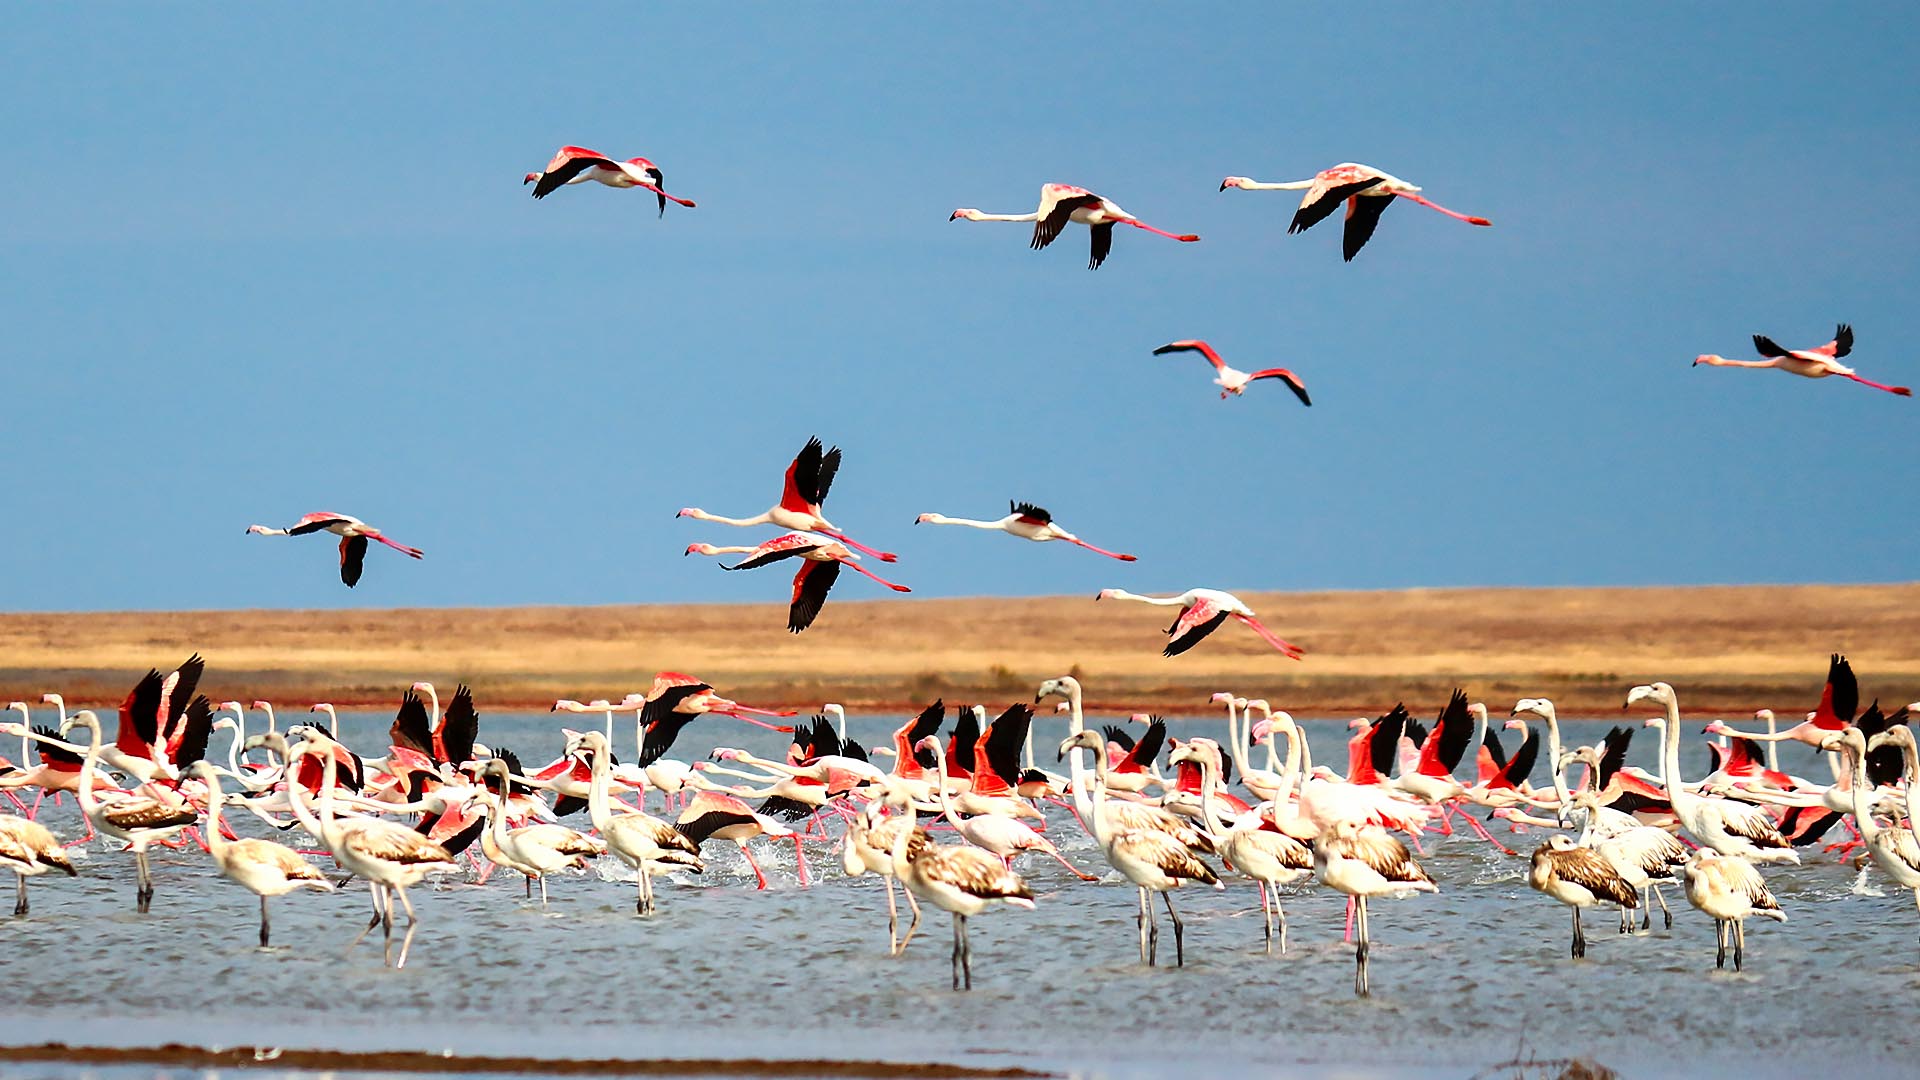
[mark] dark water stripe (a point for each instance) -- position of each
(415, 1061)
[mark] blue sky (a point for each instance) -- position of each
(266, 261)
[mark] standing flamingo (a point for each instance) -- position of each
(1811, 363)
(1201, 613)
(353, 534)
(808, 480)
(1578, 877)
(577, 165)
(1026, 521)
(962, 880)
(1061, 203)
(262, 867)
(136, 820)
(1367, 192)
(1728, 888)
(1363, 862)
(820, 565)
(29, 850)
(1232, 380)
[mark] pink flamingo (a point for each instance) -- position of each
(1061, 203)
(577, 165)
(820, 565)
(353, 534)
(808, 479)
(1367, 192)
(1233, 380)
(1811, 363)
(1201, 613)
(1026, 521)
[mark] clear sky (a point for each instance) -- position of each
(266, 260)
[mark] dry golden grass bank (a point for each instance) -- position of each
(1727, 648)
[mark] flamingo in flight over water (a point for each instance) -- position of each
(820, 565)
(1811, 363)
(1061, 203)
(808, 479)
(1026, 521)
(1233, 380)
(1201, 613)
(353, 534)
(1367, 192)
(577, 165)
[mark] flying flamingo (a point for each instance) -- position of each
(1233, 380)
(577, 165)
(808, 479)
(1026, 521)
(1061, 203)
(353, 534)
(1812, 363)
(820, 565)
(1201, 613)
(1367, 192)
(674, 700)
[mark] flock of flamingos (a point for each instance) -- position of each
(1204, 815)
(1210, 815)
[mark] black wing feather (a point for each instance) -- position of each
(193, 739)
(1315, 212)
(1454, 729)
(1047, 228)
(1842, 341)
(1102, 244)
(1361, 222)
(353, 556)
(411, 727)
(51, 754)
(1765, 346)
(1182, 644)
(460, 727)
(1384, 746)
(1028, 510)
(810, 594)
(557, 179)
(1005, 738)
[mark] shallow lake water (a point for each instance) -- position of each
(1462, 980)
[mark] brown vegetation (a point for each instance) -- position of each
(1726, 648)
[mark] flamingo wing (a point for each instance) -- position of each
(1055, 218)
(140, 717)
(569, 162)
(810, 587)
(1147, 750)
(1363, 214)
(1841, 345)
(188, 743)
(809, 477)
(1102, 245)
(353, 555)
(459, 728)
(59, 755)
(1840, 698)
(1196, 621)
(781, 547)
(1200, 347)
(1324, 198)
(1030, 514)
(320, 522)
(1765, 346)
(1293, 382)
(412, 728)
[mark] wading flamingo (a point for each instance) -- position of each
(1061, 203)
(1578, 877)
(964, 881)
(1728, 888)
(820, 565)
(1233, 380)
(353, 534)
(29, 850)
(1201, 613)
(1026, 521)
(262, 867)
(577, 165)
(1811, 363)
(1367, 192)
(808, 479)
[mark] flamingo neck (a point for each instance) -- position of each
(978, 216)
(1862, 811)
(598, 809)
(216, 844)
(1290, 185)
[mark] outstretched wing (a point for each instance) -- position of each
(1842, 342)
(1196, 621)
(1102, 244)
(1051, 222)
(810, 588)
(569, 162)
(353, 554)
(1293, 382)
(780, 547)
(1030, 514)
(1323, 199)
(809, 477)
(1200, 347)
(411, 727)
(1362, 216)
(1765, 346)
(459, 727)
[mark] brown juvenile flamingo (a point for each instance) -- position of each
(1233, 380)
(820, 563)
(808, 479)
(1026, 521)
(353, 534)
(577, 165)
(1201, 612)
(1061, 203)
(1367, 192)
(1811, 363)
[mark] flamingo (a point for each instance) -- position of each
(717, 814)
(534, 850)
(29, 850)
(1728, 827)
(1578, 877)
(262, 867)
(1004, 836)
(1367, 192)
(1892, 848)
(1364, 862)
(1026, 521)
(961, 880)
(577, 165)
(353, 534)
(807, 482)
(136, 820)
(869, 847)
(820, 565)
(674, 700)
(1061, 203)
(1728, 888)
(638, 839)
(1232, 380)
(1201, 613)
(1257, 849)
(1811, 363)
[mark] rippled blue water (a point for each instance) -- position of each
(1461, 979)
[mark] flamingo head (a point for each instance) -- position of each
(225, 723)
(702, 549)
(1763, 715)
(1515, 724)
(726, 753)
(1848, 738)
(1359, 723)
(1653, 693)
(1539, 707)
(1233, 182)
(924, 519)
(1107, 594)
(1716, 728)
(1709, 359)
(688, 511)
(964, 212)
(1064, 686)
(531, 178)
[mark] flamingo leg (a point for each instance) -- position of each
(413, 924)
(1485, 835)
(374, 888)
(913, 924)
(1266, 916)
(35, 812)
(883, 556)
(1287, 649)
(1455, 214)
(1347, 935)
(874, 576)
(1739, 942)
(758, 876)
(1901, 390)
(265, 927)
(1280, 914)
(800, 860)
(20, 903)
(22, 807)
(1104, 551)
(1362, 987)
(1185, 238)
(893, 920)
(1077, 872)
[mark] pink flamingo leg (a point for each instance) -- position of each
(883, 556)
(35, 812)
(1290, 651)
(664, 195)
(757, 875)
(1455, 214)
(1104, 551)
(1185, 238)
(1077, 872)
(787, 728)
(1348, 937)
(800, 859)
(402, 548)
(22, 806)
(1901, 390)
(874, 576)
(1484, 834)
